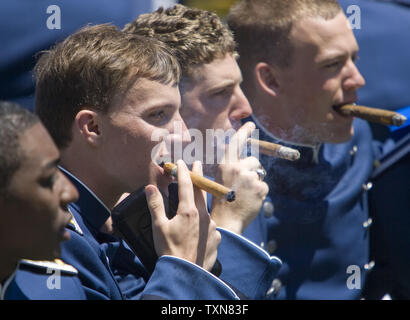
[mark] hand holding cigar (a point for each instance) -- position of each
(202, 183)
(382, 116)
(244, 175)
(275, 150)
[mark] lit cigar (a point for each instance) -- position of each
(275, 150)
(216, 189)
(382, 116)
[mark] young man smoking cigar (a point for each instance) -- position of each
(211, 100)
(298, 62)
(102, 93)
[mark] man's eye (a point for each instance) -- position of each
(221, 92)
(355, 58)
(48, 182)
(333, 64)
(157, 115)
(225, 91)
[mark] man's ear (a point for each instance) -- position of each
(266, 78)
(88, 125)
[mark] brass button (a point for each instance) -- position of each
(369, 266)
(353, 151)
(367, 186)
(367, 223)
(274, 288)
(268, 209)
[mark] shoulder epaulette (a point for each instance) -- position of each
(46, 266)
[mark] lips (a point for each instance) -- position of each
(63, 232)
(336, 106)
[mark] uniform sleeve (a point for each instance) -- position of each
(246, 266)
(178, 279)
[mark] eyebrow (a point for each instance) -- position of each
(337, 56)
(52, 164)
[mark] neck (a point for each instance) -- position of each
(283, 131)
(96, 183)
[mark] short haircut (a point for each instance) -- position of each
(262, 27)
(14, 121)
(196, 36)
(92, 67)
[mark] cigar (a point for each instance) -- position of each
(275, 150)
(202, 183)
(382, 116)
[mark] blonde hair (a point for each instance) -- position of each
(90, 68)
(196, 36)
(262, 27)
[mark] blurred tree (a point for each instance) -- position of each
(220, 7)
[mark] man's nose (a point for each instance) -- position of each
(354, 80)
(69, 192)
(240, 108)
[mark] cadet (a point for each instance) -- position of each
(34, 195)
(102, 94)
(298, 61)
(211, 99)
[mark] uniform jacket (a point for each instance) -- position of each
(316, 219)
(108, 269)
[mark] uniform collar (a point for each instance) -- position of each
(308, 153)
(3, 288)
(91, 208)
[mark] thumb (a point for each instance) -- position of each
(238, 142)
(155, 204)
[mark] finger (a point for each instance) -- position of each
(155, 204)
(250, 163)
(185, 187)
(200, 195)
(238, 142)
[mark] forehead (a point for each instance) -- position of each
(37, 148)
(218, 70)
(145, 94)
(323, 37)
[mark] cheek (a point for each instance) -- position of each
(38, 218)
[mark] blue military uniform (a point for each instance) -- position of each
(108, 269)
(389, 209)
(43, 280)
(316, 219)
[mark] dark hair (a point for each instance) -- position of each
(14, 121)
(92, 67)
